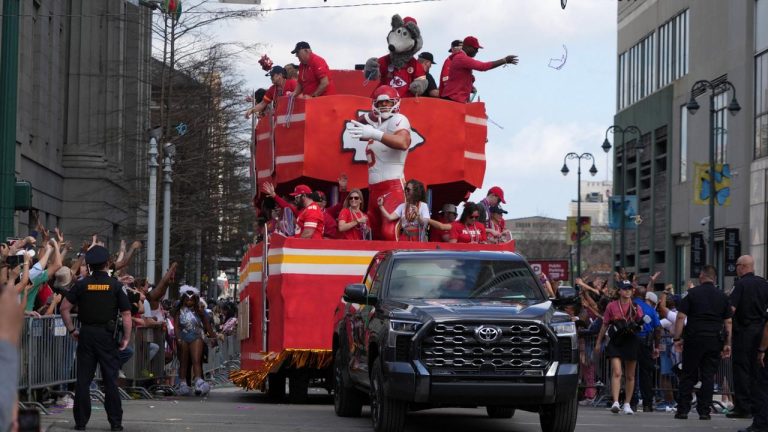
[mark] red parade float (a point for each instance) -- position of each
(287, 312)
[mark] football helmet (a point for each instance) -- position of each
(385, 93)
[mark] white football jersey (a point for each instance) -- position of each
(386, 163)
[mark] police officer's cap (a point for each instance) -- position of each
(97, 255)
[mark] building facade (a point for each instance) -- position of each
(83, 114)
(594, 201)
(664, 48)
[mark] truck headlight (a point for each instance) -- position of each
(564, 328)
(403, 326)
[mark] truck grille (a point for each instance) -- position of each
(466, 347)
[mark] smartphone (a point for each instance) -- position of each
(14, 260)
(29, 420)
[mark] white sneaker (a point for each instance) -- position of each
(205, 388)
(199, 386)
(627, 409)
(121, 374)
(615, 408)
(184, 389)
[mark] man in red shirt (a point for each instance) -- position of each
(314, 75)
(460, 79)
(446, 70)
(310, 222)
(281, 86)
(447, 216)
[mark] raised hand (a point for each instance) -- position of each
(364, 131)
(59, 234)
(268, 188)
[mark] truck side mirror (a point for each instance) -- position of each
(356, 293)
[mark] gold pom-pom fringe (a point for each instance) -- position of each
(295, 358)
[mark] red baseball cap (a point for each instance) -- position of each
(301, 190)
(498, 192)
(472, 41)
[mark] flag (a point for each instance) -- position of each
(701, 190)
(572, 230)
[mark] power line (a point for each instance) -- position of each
(243, 12)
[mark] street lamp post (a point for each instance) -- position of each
(715, 88)
(155, 135)
(592, 171)
(168, 153)
(607, 147)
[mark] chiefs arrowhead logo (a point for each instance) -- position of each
(351, 144)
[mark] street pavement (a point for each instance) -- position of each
(231, 409)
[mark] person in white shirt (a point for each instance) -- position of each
(389, 137)
(413, 214)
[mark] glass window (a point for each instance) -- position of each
(761, 105)
(683, 144)
(721, 127)
(464, 278)
(761, 25)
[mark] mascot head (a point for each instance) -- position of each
(405, 36)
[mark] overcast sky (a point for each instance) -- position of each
(545, 113)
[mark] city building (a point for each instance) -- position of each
(543, 238)
(663, 49)
(82, 115)
(594, 201)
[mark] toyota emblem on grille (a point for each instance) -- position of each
(487, 334)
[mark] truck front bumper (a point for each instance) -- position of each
(411, 381)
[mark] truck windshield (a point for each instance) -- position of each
(461, 279)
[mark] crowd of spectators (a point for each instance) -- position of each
(41, 268)
(626, 352)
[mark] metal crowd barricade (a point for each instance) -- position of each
(147, 365)
(47, 356)
(665, 377)
(222, 359)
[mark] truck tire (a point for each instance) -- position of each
(276, 387)
(500, 412)
(298, 387)
(559, 417)
(347, 400)
(388, 414)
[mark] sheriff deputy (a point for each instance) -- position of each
(98, 298)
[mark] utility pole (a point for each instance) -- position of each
(9, 67)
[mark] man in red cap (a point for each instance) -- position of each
(314, 74)
(310, 222)
(460, 79)
(495, 195)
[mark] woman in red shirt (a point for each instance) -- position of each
(622, 320)
(353, 222)
(467, 229)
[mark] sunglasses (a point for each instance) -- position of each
(409, 189)
(354, 198)
(474, 216)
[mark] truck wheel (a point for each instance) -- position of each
(559, 417)
(500, 412)
(388, 414)
(276, 387)
(347, 400)
(298, 387)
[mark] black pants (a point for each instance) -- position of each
(646, 366)
(701, 356)
(760, 400)
(97, 346)
(746, 340)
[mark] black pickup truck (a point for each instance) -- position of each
(430, 329)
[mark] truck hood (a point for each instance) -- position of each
(467, 309)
